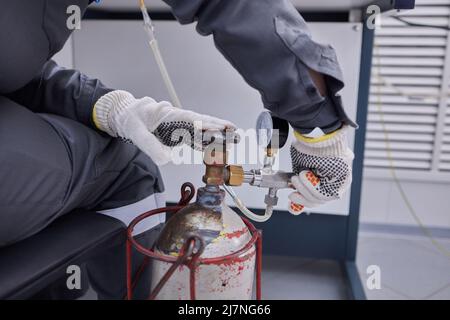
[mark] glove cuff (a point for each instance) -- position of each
(331, 145)
(111, 103)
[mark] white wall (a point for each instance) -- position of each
(382, 202)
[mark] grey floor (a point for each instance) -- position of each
(410, 268)
(294, 278)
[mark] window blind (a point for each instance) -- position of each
(406, 94)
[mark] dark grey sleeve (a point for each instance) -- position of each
(270, 45)
(61, 91)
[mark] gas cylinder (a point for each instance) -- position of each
(224, 233)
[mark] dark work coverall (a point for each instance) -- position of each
(54, 160)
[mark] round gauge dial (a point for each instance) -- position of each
(272, 132)
(264, 129)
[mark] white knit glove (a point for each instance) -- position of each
(324, 168)
(154, 127)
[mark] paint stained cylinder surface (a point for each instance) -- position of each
(228, 279)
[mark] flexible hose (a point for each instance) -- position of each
(245, 210)
(165, 74)
(148, 26)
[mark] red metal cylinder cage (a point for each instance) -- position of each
(188, 256)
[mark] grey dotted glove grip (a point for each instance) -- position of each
(332, 173)
(154, 127)
(324, 171)
(175, 133)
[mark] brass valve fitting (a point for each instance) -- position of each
(215, 159)
(234, 175)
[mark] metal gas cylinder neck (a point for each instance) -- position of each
(211, 197)
(202, 218)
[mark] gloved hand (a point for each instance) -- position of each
(324, 168)
(154, 127)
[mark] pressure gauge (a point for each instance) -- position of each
(264, 129)
(271, 132)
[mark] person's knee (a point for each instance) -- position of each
(34, 170)
(107, 172)
(138, 176)
(51, 165)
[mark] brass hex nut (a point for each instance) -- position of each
(235, 175)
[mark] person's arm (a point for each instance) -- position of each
(270, 45)
(60, 91)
